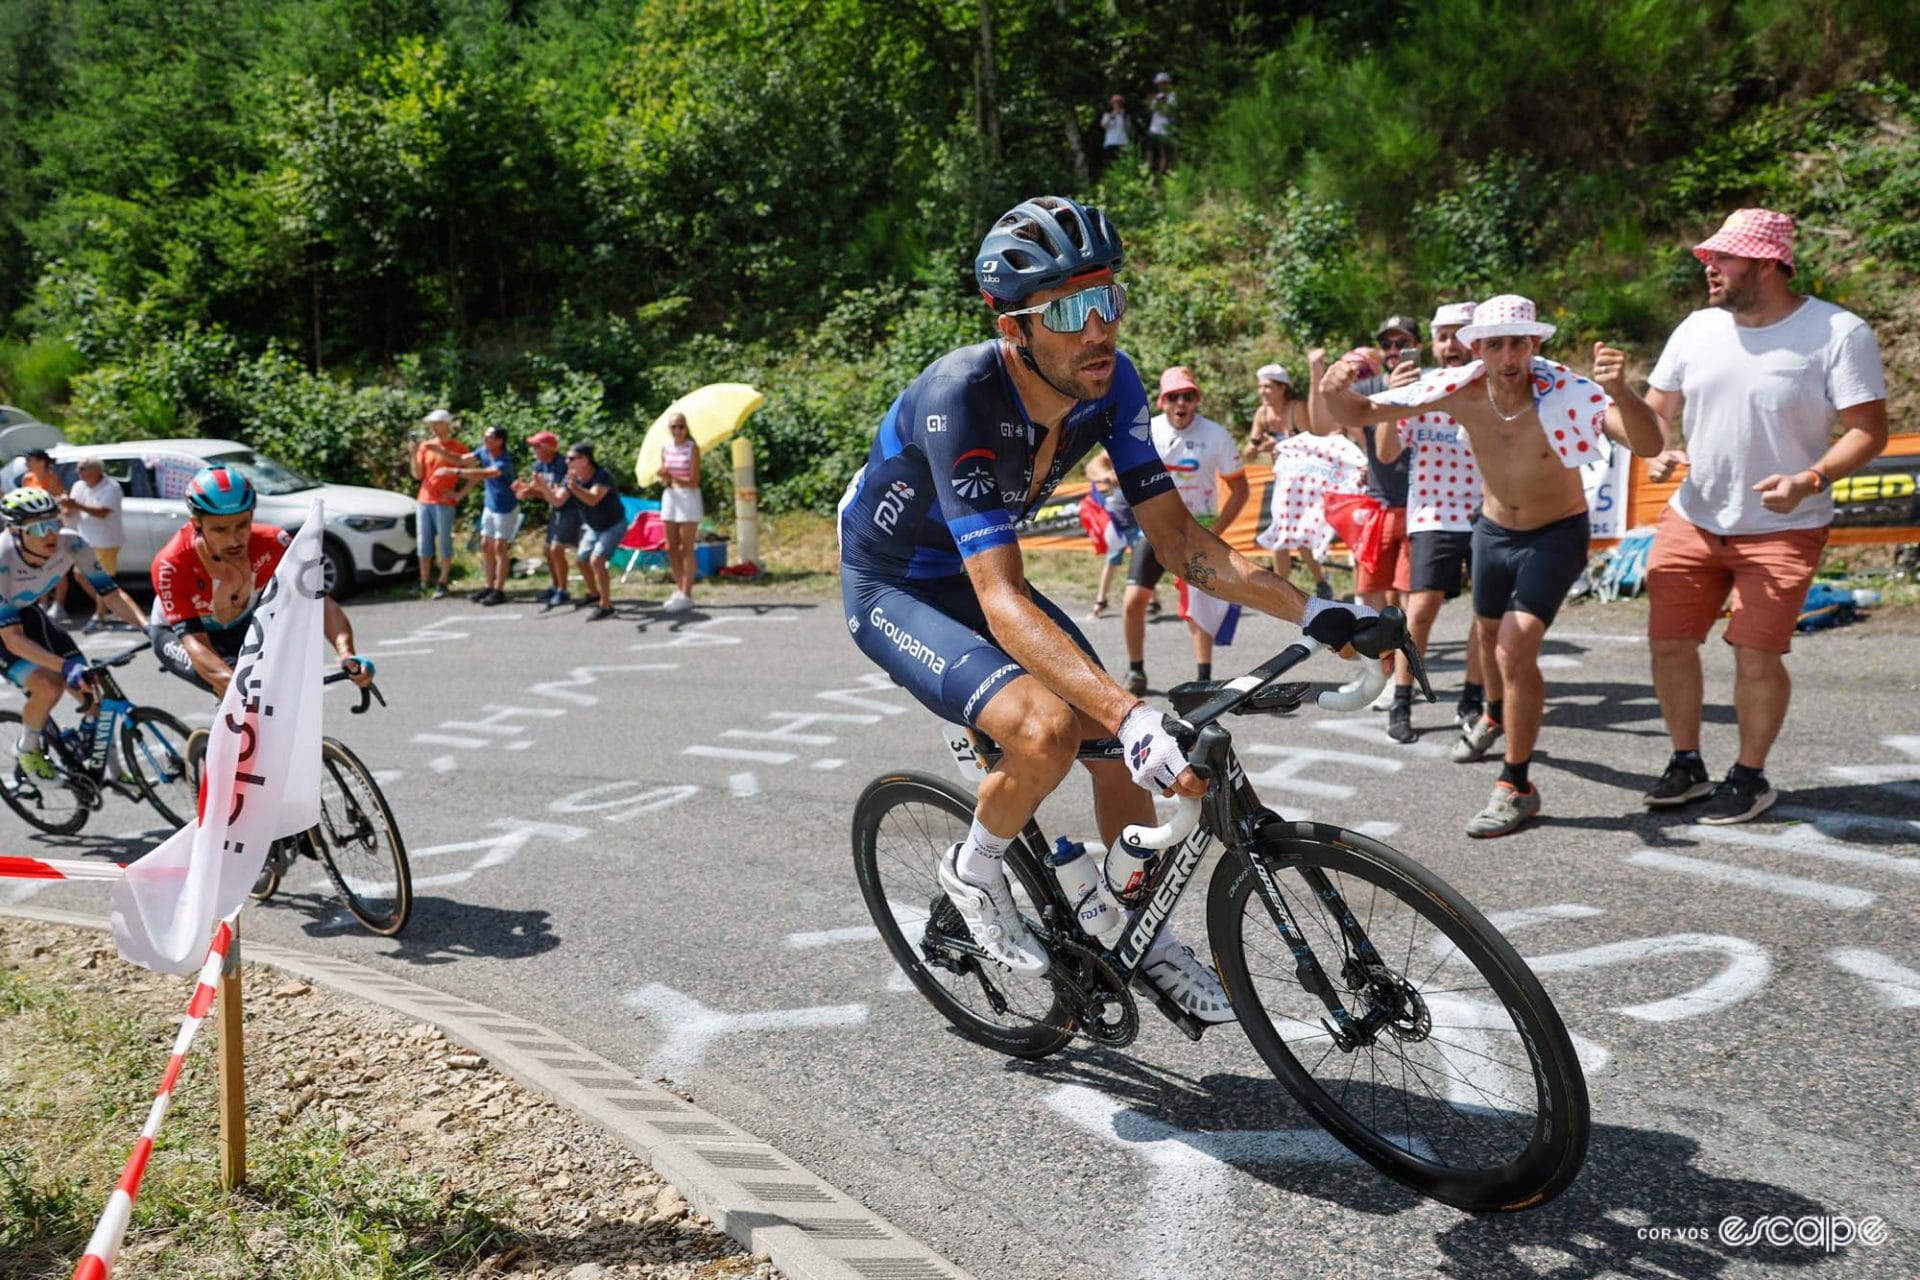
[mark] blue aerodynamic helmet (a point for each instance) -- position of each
(220, 490)
(1040, 244)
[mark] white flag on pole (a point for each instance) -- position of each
(262, 776)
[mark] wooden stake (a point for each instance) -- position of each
(233, 1081)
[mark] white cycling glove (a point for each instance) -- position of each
(1333, 622)
(1152, 752)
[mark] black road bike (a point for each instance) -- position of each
(356, 841)
(1382, 1000)
(151, 764)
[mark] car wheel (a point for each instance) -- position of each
(336, 570)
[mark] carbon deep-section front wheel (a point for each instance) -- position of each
(902, 826)
(154, 745)
(1454, 1073)
(359, 843)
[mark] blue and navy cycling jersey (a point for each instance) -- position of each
(952, 465)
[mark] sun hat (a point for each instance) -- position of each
(1451, 313)
(1508, 315)
(544, 437)
(1751, 233)
(1275, 373)
(438, 415)
(1178, 378)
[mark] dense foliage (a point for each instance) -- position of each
(302, 222)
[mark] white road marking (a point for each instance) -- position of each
(1843, 897)
(1190, 1174)
(1809, 842)
(806, 939)
(1894, 985)
(741, 754)
(1378, 830)
(578, 678)
(514, 835)
(1284, 775)
(1524, 917)
(498, 719)
(630, 805)
(743, 785)
(827, 762)
(1371, 733)
(691, 1026)
(384, 776)
(796, 722)
(1558, 661)
(1836, 823)
(857, 696)
(450, 740)
(1748, 968)
(1897, 777)
(443, 764)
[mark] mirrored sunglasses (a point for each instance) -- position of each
(1069, 314)
(40, 528)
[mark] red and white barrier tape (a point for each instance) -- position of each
(104, 1247)
(12, 868)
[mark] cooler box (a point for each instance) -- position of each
(709, 558)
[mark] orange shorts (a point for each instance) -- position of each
(1691, 572)
(1394, 571)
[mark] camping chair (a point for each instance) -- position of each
(646, 532)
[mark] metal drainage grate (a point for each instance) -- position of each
(693, 1128)
(645, 1104)
(786, 1193)
(897, 1269)
(840, 1228)
(724, 1159)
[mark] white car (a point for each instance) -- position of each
(370, 533)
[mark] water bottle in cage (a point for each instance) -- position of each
(1077, 868)
(1127, 868)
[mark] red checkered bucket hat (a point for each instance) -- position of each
(1751, 233)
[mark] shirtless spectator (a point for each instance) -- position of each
(1443, 496)
(1531, 422)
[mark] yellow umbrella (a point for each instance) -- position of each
(714, 412)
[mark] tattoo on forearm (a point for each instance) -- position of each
(1199, 572)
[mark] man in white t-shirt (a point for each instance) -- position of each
(95, 501)
(1201, 457)
(1764, 375)
(1443, 496)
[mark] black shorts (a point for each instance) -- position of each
(564, 525)
(1441, 560)
(40, 629)
(1527, 570)
(1146, 569)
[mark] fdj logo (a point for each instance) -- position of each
(887, 514)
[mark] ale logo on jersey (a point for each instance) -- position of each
(973, 474)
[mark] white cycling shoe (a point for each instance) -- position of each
(993, 920)
(1178, 974)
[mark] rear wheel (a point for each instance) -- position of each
(902, 826)
(359, 843)
(1454, 1073)
(154, 745)
(53, 804)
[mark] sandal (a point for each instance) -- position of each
(1099, 608)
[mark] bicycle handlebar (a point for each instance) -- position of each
(120, 659)
(1372, 681)
(1175, 830)
(369, 694)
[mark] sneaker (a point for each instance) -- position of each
(1467, 713)
(678, 602)
(1400, 722)
(1153, 607)
(440, 592)
(1475, 741)
(601, 613)
(1680, 783)
(1137, 682)
(557, 598)
(58, 615)
(1506, 812)
(1323, 590)
(1732, 801)
(480, 596)
(1178, 974)
(992, 919)
(1385, 701)
(34, 763)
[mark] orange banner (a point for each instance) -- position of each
(1879, 503)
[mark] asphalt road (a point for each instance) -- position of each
(637, 832)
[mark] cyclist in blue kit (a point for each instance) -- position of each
(932, 576)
